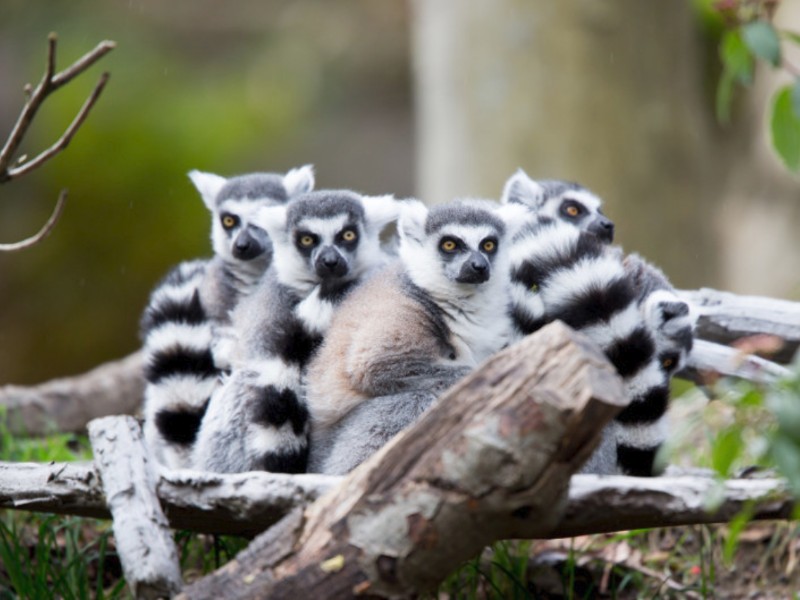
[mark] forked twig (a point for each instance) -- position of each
(51, 81)
(43, 232)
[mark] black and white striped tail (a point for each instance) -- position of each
(259, 419)
(180, 371)
(560, 272)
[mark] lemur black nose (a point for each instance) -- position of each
(603, 228)
(330, 262)
(475, 269)
(671, 310)
(247, 246)
(479, 266)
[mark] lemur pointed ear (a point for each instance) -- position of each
(515, 216)
(299, 180)
(521, 189)
(272, 219)
(208, 185)
(411, 225)
(379, 211)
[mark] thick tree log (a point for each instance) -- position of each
(725, 318)
(490, 460)
(68, 404)
(144, 542)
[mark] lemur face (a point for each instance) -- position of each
(325, 236)
(235, 236)
(329, 246)
(235, 201)
(562, 200)
(454, 246)
(672, 323)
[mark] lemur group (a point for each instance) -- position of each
(316, 333)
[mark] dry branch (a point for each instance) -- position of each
(714, 360)
(725, 318)
(69, 403)
(249, 503)
(49, 83)
(144, 542)
(43, 232)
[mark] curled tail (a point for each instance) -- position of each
(180, 372)
(560, 272)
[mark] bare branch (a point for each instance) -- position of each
(66, 137)
(43, 232)
(49, 83)
(83, 63)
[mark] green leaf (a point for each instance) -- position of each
(762, 39)
(787, 456)
(736, 57)
(791, 35)
(725, 449)
(796, 98)
(724, 97)
(785, 128)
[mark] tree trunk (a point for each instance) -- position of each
(609, 94)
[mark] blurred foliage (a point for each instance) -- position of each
(227, 88)
(750, 36)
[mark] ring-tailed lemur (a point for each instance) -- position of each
(178, 325)
(669, 317)
(325, 243)
(409, 332)
(563, 200)
(560, 272)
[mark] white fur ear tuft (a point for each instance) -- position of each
(521, 189)
(272, 219)
(208, 185)
(411, 225)
(515, 216)
(379, 211)
(299, 180)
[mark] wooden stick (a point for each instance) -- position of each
(144, 542)
(725, 318)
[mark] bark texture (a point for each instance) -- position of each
(144, 542)
(725, 318)
(249, 503)
(490, 460)
(68, 404)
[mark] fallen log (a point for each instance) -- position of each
(490, 460)
(67, 404)
(725, 318)
(249, 503)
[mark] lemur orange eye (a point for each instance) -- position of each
(349, 235)
(489, 246)
(572, 211)
(667, 363)
(228, 221)
(306, 241)
(448, 245)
